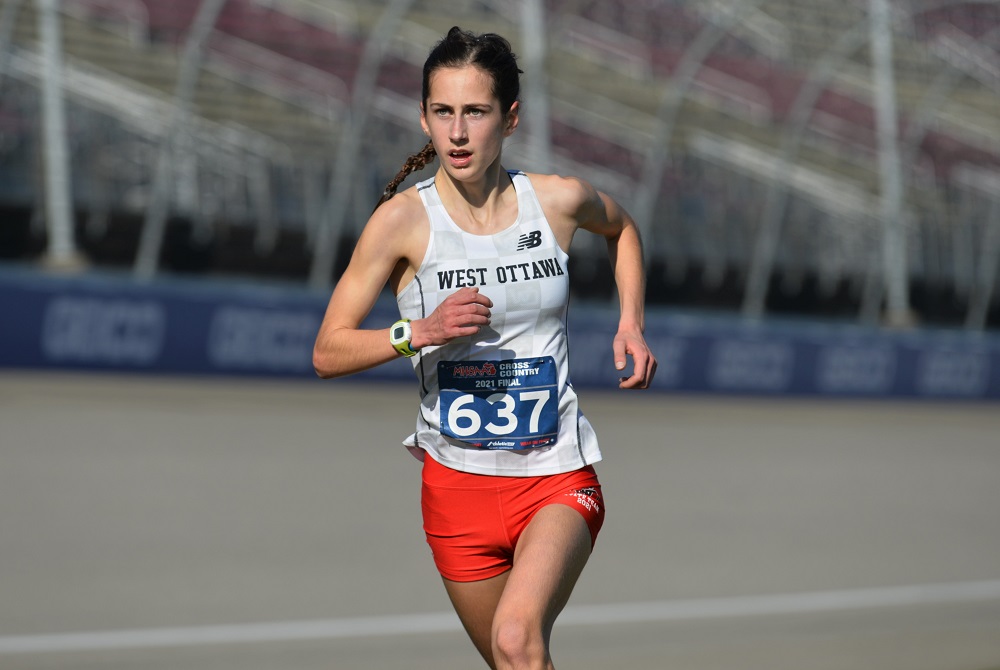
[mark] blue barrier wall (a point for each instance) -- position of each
(195, 327)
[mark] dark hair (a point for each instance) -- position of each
(489, 52)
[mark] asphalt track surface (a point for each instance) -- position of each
(202, 523)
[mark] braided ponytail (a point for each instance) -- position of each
(417, 161)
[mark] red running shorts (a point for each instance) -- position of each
(472, 522)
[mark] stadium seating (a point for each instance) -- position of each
(285, 69)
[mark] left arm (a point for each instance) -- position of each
(598, 213)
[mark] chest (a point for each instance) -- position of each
(522, 256)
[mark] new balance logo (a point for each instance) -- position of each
(530, 240)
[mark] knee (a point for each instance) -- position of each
(519, 643)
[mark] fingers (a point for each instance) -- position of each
(468, 308)
(618, 346)
(461, 314)
(469, 296)
(642, 376)
(644, 363)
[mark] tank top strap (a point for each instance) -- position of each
(436, 212)
(531, 216)
(530, 212)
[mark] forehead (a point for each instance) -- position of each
(460, 85)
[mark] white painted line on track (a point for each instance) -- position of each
(447, 622)
(792, 603)
(282, 631)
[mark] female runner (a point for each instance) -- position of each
(477, 258)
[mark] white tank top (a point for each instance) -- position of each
(499, 402)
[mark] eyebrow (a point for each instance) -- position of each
(477, 105)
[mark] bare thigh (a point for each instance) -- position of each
(476, 603)
(548, 560)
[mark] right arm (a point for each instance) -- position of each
(389, 250)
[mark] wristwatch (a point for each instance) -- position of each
(399, 337)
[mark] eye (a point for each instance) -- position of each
(476, 113)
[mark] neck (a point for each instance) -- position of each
(476, 194)
(483, 203)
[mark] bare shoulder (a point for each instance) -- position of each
(399, 228)
(393, 215)
(570, 203)
(563, 195)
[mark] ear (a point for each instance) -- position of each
(423, 120)
(511, 119)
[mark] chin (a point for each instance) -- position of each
(463, 174)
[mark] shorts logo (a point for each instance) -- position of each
(588, 498)
(529, 240)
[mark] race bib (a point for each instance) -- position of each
(510, 404)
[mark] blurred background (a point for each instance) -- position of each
(818, 187)
(834, 159)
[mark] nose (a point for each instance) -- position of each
(458, 132)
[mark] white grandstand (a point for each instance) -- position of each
(744, 136)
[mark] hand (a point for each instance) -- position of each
(632, 343)
(463, 313)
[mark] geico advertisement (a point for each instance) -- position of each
(205, 332)
(247, 338)
(109, 331)
(125, 332)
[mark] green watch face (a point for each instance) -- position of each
(397, 333)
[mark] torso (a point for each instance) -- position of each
(514, 374)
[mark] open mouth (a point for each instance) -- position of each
(459, 158)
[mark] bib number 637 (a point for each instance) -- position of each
(508, 404)
(506, 417)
